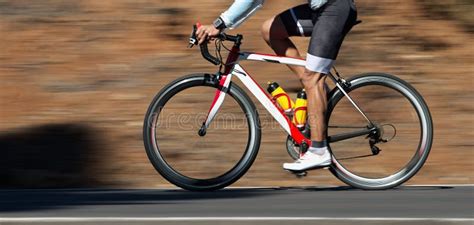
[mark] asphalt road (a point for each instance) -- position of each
(305, 205)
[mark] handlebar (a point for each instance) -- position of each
(237, 39)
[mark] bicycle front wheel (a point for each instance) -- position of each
(400, 145)
(201, 162)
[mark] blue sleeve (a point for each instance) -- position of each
(239, 11)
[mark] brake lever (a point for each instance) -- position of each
(193, 39)
(192, 42)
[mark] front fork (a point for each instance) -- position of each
(222, 89)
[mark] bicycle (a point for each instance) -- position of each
(354, 140)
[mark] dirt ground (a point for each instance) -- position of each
(76, 78)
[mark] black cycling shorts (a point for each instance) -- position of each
(327, 27)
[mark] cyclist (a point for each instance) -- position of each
(326, 22)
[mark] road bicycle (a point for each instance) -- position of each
(202, 132)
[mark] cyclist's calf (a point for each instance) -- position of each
(313, 80)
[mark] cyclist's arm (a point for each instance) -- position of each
(239, 11)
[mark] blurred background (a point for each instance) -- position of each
(76, 78)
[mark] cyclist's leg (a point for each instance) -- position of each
(332, 23)
(314, 83)
(292, 22)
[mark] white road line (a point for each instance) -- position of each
(157, 219)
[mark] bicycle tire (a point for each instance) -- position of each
(167, 171)
(424, 145)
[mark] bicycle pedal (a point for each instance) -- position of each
(301, 174)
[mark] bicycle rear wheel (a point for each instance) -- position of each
(191, 161)
(402, 119)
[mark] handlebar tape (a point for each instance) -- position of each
(205, 53)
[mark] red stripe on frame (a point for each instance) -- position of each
(295, 132)
(218, 93)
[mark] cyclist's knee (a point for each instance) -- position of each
(265, 30)
(273, 28)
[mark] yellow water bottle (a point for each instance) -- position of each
(281, 96)
(300, 115)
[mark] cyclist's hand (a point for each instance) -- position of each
(206, 32)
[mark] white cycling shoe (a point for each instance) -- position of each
(308, 161)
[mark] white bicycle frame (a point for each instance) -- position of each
(238, 71)
(270, 105)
